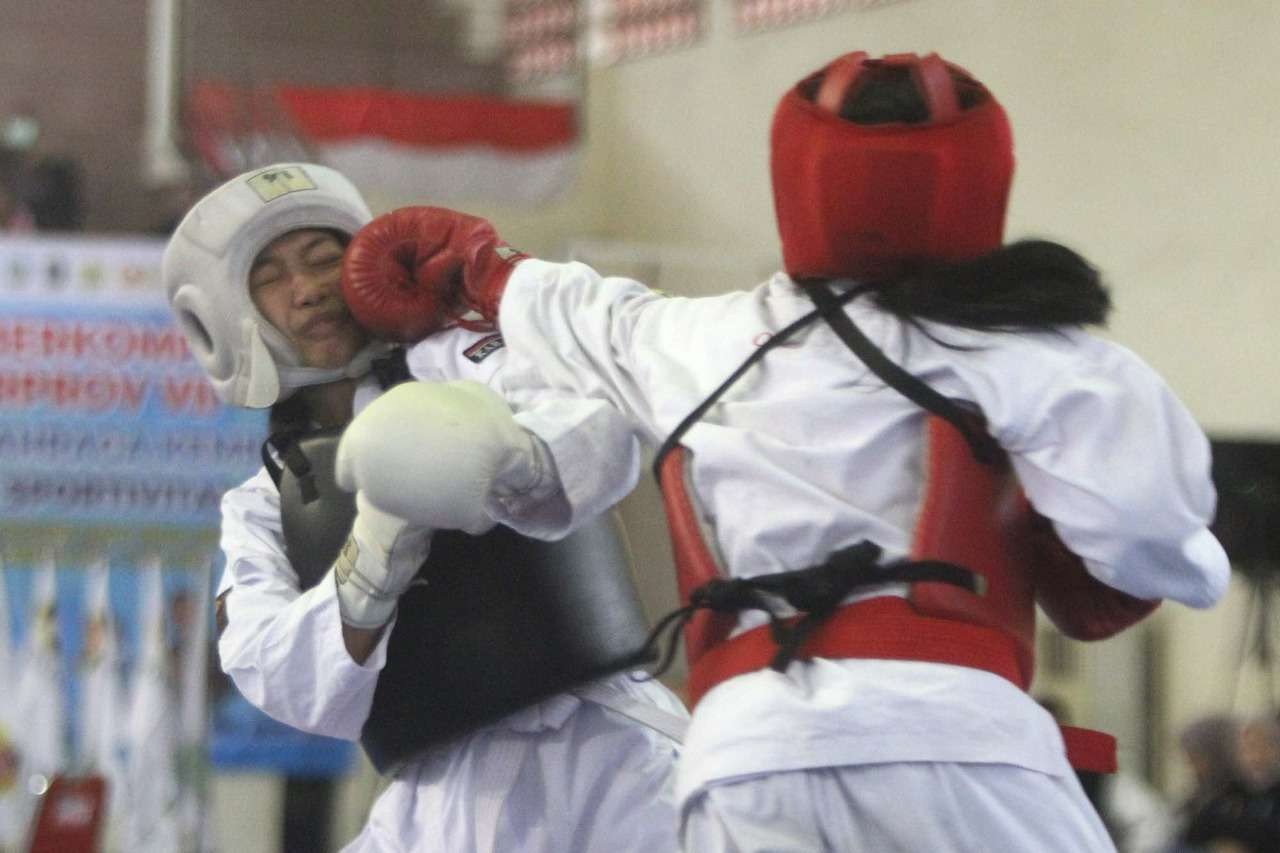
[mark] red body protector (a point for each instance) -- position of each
(972, 515)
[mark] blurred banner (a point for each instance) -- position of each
(620, 30)
(104, 416)
(114, 454)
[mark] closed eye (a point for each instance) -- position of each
(265, 275)
(325, 261)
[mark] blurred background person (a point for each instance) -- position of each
(15, 217)
(1135, 814)
(1216, 815)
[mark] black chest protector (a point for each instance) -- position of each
(493, 623)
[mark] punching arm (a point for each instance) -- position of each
(438, 454)
(417, 270)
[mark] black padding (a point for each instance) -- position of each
(315, 515)
(502, 622)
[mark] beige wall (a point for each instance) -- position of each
(1146, 137)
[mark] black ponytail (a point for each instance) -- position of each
(1028, 285)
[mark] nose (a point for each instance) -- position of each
(309, 289)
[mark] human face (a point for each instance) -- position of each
(1258, 751)
(294, 282)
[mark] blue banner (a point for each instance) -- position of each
(105, 418)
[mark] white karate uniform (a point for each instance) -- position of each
(809, 453)
(568, 774)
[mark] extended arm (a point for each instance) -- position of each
(1117, 463)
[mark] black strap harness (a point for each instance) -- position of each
(390, 370)
(817, 591)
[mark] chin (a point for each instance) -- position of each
(334, 354)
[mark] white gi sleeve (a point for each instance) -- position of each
(568, 375)
(283, 648)
(594, 454)
(1107, 452)
(595, 457)
(571, 331)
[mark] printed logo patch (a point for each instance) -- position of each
(273, 183)
(484, 348)
(346, 562)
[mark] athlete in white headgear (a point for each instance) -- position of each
(249, 361)
(252, 275)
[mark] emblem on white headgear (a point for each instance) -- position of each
(206, 276)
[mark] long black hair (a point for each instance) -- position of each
(1027, 285)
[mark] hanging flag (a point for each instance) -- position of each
(8, 658)
(13, 802)
(193, 706)
(433, 148)
(39, 709)
(151, 822)
(102, 709)
(40, 705)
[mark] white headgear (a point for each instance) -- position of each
(206, 275)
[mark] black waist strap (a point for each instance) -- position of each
(816, 592)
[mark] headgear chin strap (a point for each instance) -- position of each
(868, 200)
(206, 274)
(293, 378)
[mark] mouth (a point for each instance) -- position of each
(324, 324)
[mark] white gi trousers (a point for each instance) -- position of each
(919, 807)
(567, 776)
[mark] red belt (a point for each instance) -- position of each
(885, 627)
(889, 628)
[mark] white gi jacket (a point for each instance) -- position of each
(564, 775)
(809, 453)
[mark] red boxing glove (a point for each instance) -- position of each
(1081, 606)
(417, 270)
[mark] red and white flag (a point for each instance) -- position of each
(430, 148)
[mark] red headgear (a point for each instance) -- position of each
(868, 200)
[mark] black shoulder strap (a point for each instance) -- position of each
(702, 408)
(276, 441)
(285, 443)
(831, 308)
(392, 369)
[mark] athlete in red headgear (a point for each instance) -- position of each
(852, 513)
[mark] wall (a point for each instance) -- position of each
(79, 67)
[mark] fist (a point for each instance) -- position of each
(417, 270)
(431, 453)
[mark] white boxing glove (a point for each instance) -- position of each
(378, 562)
(436, 453)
